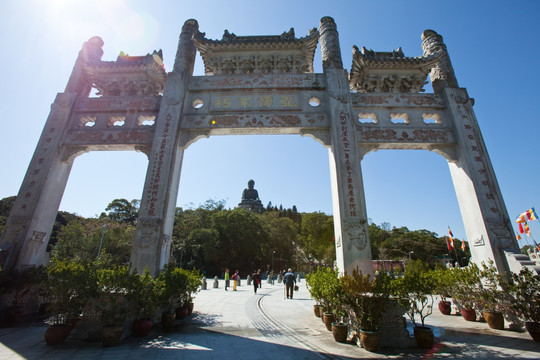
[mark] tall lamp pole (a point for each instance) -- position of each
(101, 241)
(273, 252)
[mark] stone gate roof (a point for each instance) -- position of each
(129, 75)
(257, 54)
(389, 71)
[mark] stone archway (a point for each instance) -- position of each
(261, 85)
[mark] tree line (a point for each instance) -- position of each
(211, 238)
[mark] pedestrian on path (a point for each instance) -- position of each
(227, 281)
(289, 280)
(235, 277)
(257, 280)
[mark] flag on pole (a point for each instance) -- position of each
(451, 237)
(531, 214)
(521, 218)
(527, 231)
(518, 237)
(521, 228)
(448, 244)
(463, 246)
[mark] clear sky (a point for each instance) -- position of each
(494, 47)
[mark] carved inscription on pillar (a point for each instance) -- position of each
(155, 177)
(344, 137)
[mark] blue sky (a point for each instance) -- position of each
(494, 47)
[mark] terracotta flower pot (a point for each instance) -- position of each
(182, 312)
(424, 337)
(370, 340)
(190, 308)
(57, 334)
(142, 327)
(468, 314)
(328, 319)
(445, 307)
(167, 321)
(110, 335)
(533, 328)
(340, 332)
(316, 310)
(13, 315)
(494, 319)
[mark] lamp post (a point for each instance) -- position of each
(101, 241)
(273, 252)
(410, 252)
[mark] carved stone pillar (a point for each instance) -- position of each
(152, 244)
(442, 75)
(350, 217)
(28, 228)
(484, 213)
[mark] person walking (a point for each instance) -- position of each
(289, 280)
(256, 280)
(227, 281)
(235, 278)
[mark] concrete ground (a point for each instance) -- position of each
(241, 325)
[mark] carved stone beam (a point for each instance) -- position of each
(322, 136)
(449, 152)
(191, 136)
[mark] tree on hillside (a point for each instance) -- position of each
(80, 239)
(5, 207)
(121, 210)
(241, 235)
(282, 233)
(317, 234)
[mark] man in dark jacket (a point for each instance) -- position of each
(289, 280)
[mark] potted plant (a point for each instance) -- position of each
(414, 292)
(490, 297)
(70, 285)
(116, 289)
(170, 284)
(16, 284)
(524, 293)
(193, 286)
(145, 303)
(330, 292)
(368, 300)
(465, 288)
(314, 281)
(444, 282)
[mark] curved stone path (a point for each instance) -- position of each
(241, 325)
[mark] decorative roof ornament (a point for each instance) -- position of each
(392, 72)
(260, 54)
(129, 75)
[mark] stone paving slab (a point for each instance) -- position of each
(241, 325)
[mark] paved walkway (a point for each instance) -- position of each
(240, 325)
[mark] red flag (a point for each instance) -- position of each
(527, 230)
(448, 244)
(520, 228)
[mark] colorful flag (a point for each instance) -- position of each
(531, 214)
(451, 236)
(463, 247)
(527, 231)
(448, 244)
(518, 237)
(521, 228)
(521, 218)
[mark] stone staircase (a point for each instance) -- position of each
(517, 260)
